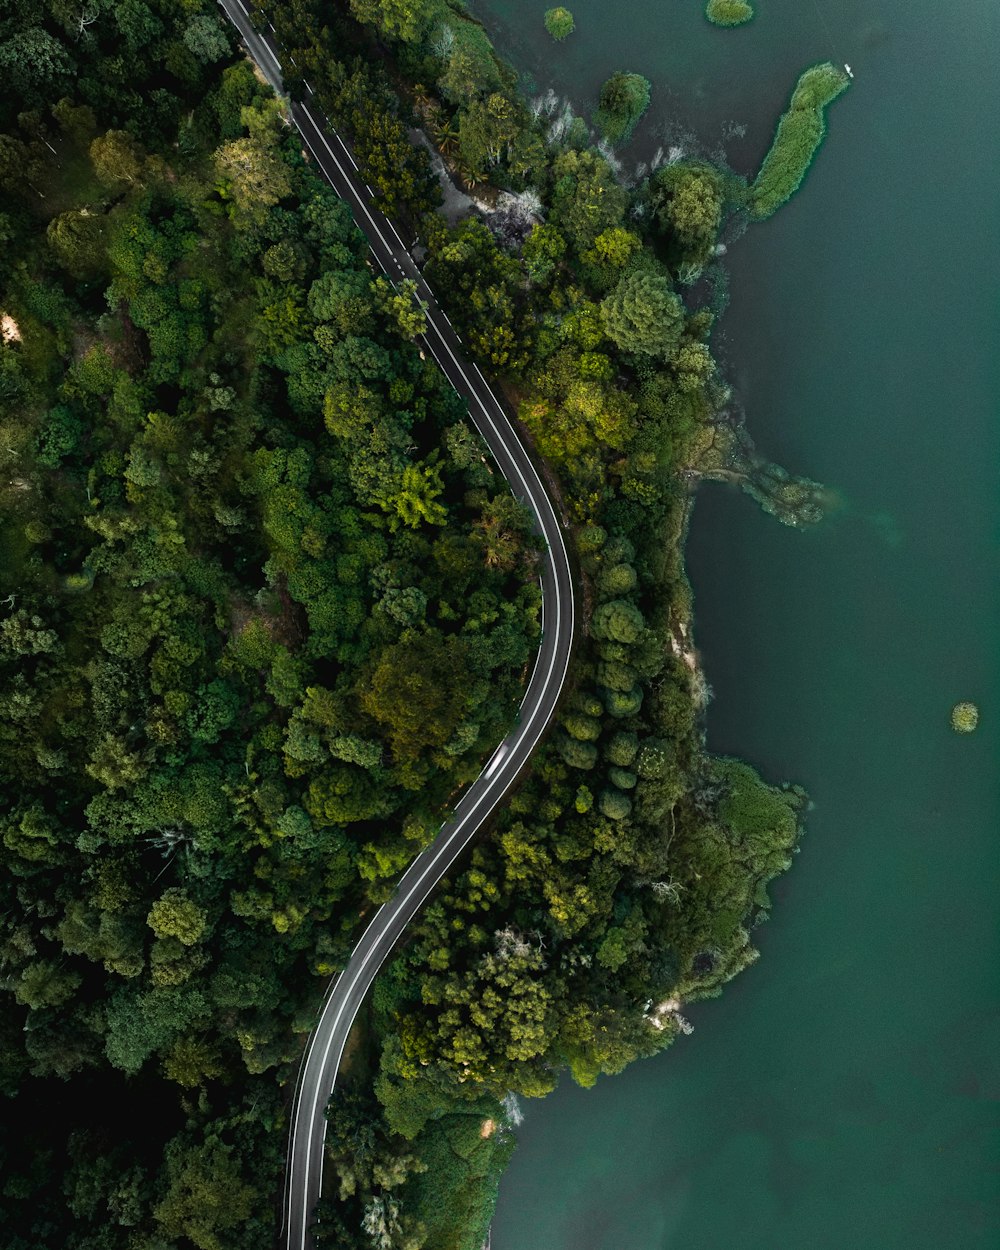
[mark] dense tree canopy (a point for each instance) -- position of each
(269, 605)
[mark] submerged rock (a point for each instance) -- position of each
(727, 454)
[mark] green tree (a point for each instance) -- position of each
(417, 501)
(618, 620)
(577, 754)
(116, 158)
(407, 20)
(418, 691)
(114, 765)
(33, 63)
(614, 805)
(344, 297)
(487, 129)
(543, 249)
(586, 200)
(78, 239)
(206, 1198)
(403, 307)
(688, 204)
(44, 983)
(253, 171)
(206, 38)
(175, 915)
(643, 315)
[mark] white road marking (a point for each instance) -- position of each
(267, 48)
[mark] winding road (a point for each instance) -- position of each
(318, 1074)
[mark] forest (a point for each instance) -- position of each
(267, 606)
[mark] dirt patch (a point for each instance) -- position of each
(488, 1129)
(9, 329)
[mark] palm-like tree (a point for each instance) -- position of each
(423, 100)
(444, 132)
(469, 174)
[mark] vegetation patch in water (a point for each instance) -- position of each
(964, 717)
(800, 132)
(559, 22)
(728, 12)
(624, 99)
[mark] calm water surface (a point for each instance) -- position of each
(842, 1095)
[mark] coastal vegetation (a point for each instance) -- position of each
(801, 130)
(623, 100)
(269, 606)
(728, 12)
(559, 22)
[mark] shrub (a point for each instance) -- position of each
(559, 22)
(753, 810)
(964, 717)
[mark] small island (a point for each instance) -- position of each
(559, 22)
(964, 717)
(728, 12)
(623, 100)
(800, 132)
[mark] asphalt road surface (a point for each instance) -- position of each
(304, 1173)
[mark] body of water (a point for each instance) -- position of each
(843, 1093)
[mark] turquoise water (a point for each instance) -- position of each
(842, 1093)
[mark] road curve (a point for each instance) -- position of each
(325, 1048)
